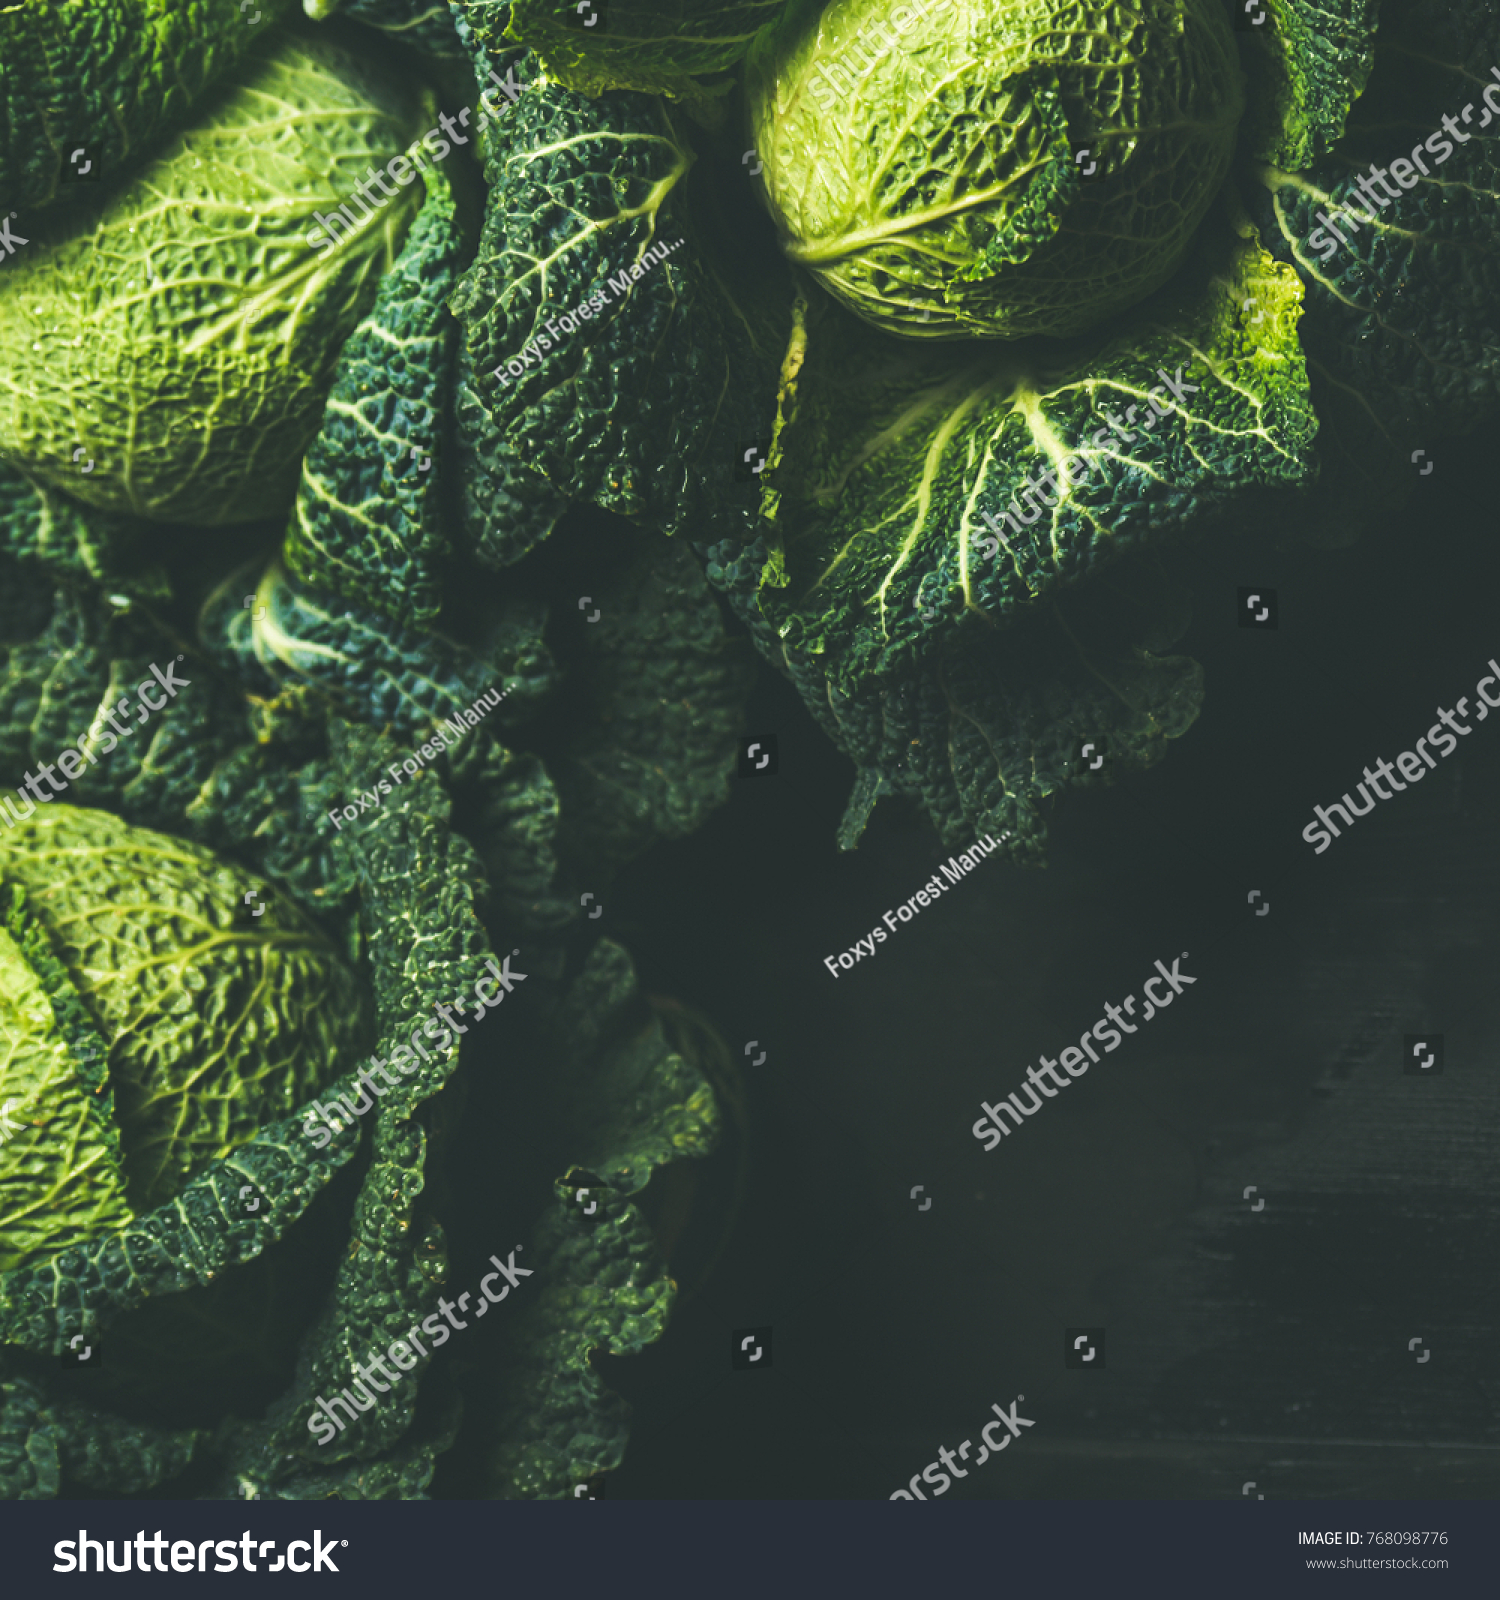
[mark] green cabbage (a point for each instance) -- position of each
(957, 551)
(993, 170)
(153, 1020)
(171, 356)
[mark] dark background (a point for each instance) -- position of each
(1267, 1348)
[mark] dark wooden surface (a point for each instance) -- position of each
(1265, 1347)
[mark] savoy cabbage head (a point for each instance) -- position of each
(971, 169)
(170, 353)
(153, 1020)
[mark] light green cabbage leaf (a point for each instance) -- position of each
(171, 355)
(153, 1021)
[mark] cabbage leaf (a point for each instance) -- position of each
(170, 355)
(638, 405)
(1307, 62)
(911, 487)
(113, 79)
(661, 690)
(1402, 326)
(367, 519)
(659, 46)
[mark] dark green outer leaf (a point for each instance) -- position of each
(366, 523)
(29, 1465)
(519, 812)
(258, 793)
(192, 1239)
(662, 694)
(634, 1104)
(604, 1287)
(411, 679)
(985, 731)
(1404, 319)
(418, 882)
(425, 25)
(655, 45)
(259, 804)
(43, 1442)
(44, 526)
(293, 814)
(91, 654)
(631, 1105)
(508, 508)
(641, 407)
(993, 742)
(1306, 64)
